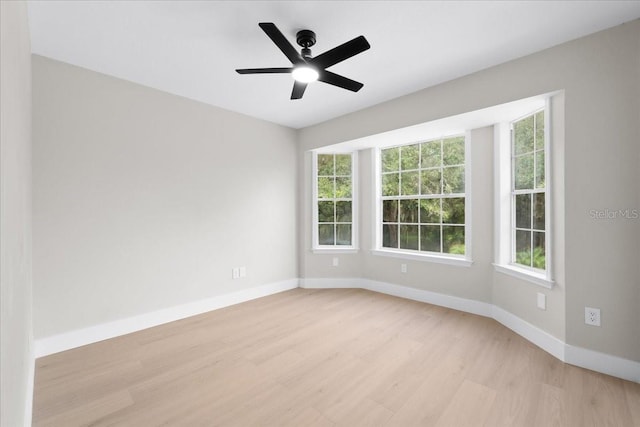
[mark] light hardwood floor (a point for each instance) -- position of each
(324, 358)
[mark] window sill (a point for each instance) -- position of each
(337, 250)
(461, 262)
(524, 274)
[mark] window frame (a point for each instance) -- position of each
(505, 192)
(316, 247)
(377, 226)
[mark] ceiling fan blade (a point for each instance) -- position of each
(298, 90)
(281, 41)
(340, 81)
(342, 52)
(263, 70)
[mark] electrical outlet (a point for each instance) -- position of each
(336, 261)
(403, 268)
(235, 273)
(542, 301)
(242, 272)
(592, 316)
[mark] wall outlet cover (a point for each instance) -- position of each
(592, 316)
(542, 301)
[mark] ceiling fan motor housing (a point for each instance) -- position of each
(306, 38)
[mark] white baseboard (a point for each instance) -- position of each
(331, 283)
(456, 303)
(584, 358)
(537, 336)
(80, 337)
(603, 363)
(589, 359)
(449, 301)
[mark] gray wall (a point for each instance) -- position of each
(600, 75)
(144, 200)
(16, 354)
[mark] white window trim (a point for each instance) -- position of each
(334, 249)
(503, 218)
(429, 257)
(530, 275)
(440, 258)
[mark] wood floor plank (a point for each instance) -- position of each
(632, 393)
(518, 405)
(341, 357)
(92, 411)
(395, 390)
(429, 401)
(552, 407)
(469, 406)
(599, 398)
(55, 399)
(354, 412)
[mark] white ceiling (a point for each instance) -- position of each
(191, 48)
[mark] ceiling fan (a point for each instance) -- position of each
(306, 68)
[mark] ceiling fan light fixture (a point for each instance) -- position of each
(305, 68)
(305, 74)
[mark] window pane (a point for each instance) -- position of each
(523, 210)
(453, 239)
(540, 130)
(390, 159)
(540, 169)
(409, 211)
(325, 188)
(390, 235)
(390, 211)
(343, 211)
(409, 237)
(343, 234)
(523, 136)
(325, 212)
(343, 188)
(453, 151)
(430, 211)
(453, 179)
(325, 164)
(431, 154)
(409, 183)
(390, 184)
(539, 259)
(538, 211)
(523, 247)
(410, 155)
(524, 172)
(453, 210)
(430, 238)
(431, 182)
(325, 234)
(343, 164)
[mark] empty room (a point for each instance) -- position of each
(320, 213)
